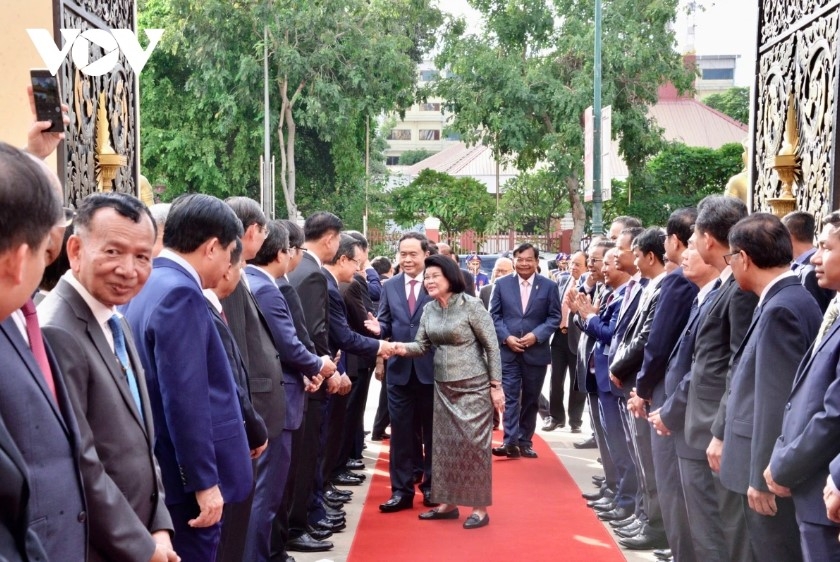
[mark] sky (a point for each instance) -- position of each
(722, 27)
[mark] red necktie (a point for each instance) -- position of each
(412, 300)
(224, 316)
(36, 344)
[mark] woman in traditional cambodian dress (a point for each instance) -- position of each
(468, 374)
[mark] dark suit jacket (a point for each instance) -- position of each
(295, 390)
(719, 335)
(625, 316)
(123, 471)
(631, 349)
(810, 436)
(200, 439)
(341, 336)
(469, 281)
(357, 302)
(46, 434)
(601, 330)
(541, 317)
(484, 295)
(396, 323)
(265, 374)
(763, 370)
(675, 296)
(254, 424)
(572, 329)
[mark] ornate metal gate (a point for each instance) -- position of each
(106, 104)
(797, 68)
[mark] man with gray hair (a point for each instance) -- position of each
(159, 213)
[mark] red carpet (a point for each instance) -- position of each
(537, 515)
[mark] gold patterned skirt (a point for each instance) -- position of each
(461, 441)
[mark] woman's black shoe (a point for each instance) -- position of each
(435, 514)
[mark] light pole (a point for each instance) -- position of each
(597, 219)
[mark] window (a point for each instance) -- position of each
(718, 74)
(429, 134)
(392, 160)
(400, 134)
(429, 107)
(428, 75)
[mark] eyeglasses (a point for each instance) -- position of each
(69, 215)
(358, 263)
(295, 248)
(728, 257)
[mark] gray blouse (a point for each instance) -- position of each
(464, 339)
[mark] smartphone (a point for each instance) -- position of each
(47, 99)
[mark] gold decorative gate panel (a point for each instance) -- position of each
(798, 64)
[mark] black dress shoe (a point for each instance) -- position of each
(586, 444)
(427, 499)
(332, 504)
(305, 543)
(663, 553)
(576, 429)
(435, 514)
(318, 534)
(550, 424)
(334, 513)
(615, 514)
(604, 507)
(360, 475)
(380, 436)
(396, 503)
(623, 522)
(327, 525)
(630, 530)
(509, 451)
(474, 522)
(598, 479)
(527, 452)
(345, 480)
(648, 539)
(601, 502)
(354, 464)
(330, 487)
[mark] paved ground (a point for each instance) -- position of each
(581, 464)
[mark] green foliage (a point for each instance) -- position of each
(410, 157)
(734, 102)
(679, 176)
(461, 204)
(531, 201)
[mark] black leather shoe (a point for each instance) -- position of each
(332, 504)
(473, 522)
(354, 464)
(427, 499)
(330, 487)
(598, 479)
(609, 505)
(509, 451)
(576, 429)
(603, 492)
(360, 475)
(586, 444)
(630, 530)
(380, 436)
(663, 553)
(305, 543)
(334, 513)
(435, 514)
(623, 522)
(396, 503)
(318, 534)
(528, 452)
(550, 424)
(345, 480)
(601, 502)
(327, 525)
(615, 514)
(646, 540)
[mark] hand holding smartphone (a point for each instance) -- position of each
(47, 99)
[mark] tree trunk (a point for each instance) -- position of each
(578, 211)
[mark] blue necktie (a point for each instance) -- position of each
(122, 355)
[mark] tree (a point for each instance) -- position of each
(461, 204)
(679, 176)
(523, 83)
(530, 201)
(410, 157)
(734, 102)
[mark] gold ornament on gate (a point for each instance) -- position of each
(108, 162)
(786, 163)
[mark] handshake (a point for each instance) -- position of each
(389, 349)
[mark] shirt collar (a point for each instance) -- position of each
(101, 312)
(530, 280)
(214, 299)
(766, 290)
(312, 254)
(260, 271)
(705, 290)
(418, 278)
(805, 257)
(170, 255)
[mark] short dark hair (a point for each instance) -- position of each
(604, 243)
(527, 246)
(248, 211)
(681, 224)
(236, 253)
(717, 214)
(126, 205)
(450, 271)
(276, 240)
(424, 242)
(195, 218)
(54, 271)
(346, 247)
(320, 224)
(432, 248)
(29, 205)
(631, 232)
(381, 264)
(832, 218)
(627, 221)
(296, 238)
(651, 241)
(764, 239)
(363, 243)
(801, 226)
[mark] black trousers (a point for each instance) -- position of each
(563, 361)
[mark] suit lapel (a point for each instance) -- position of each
(812, 353)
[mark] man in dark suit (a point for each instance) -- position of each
(43, 515)
(110, 256)
(200, 440)
(564, 357)
(502, 267)
(262, 272)
(526, 312)
(809, 440)
(783, 327)
(719, 335)
(668, 418)
(801, 226)
(410, 381)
